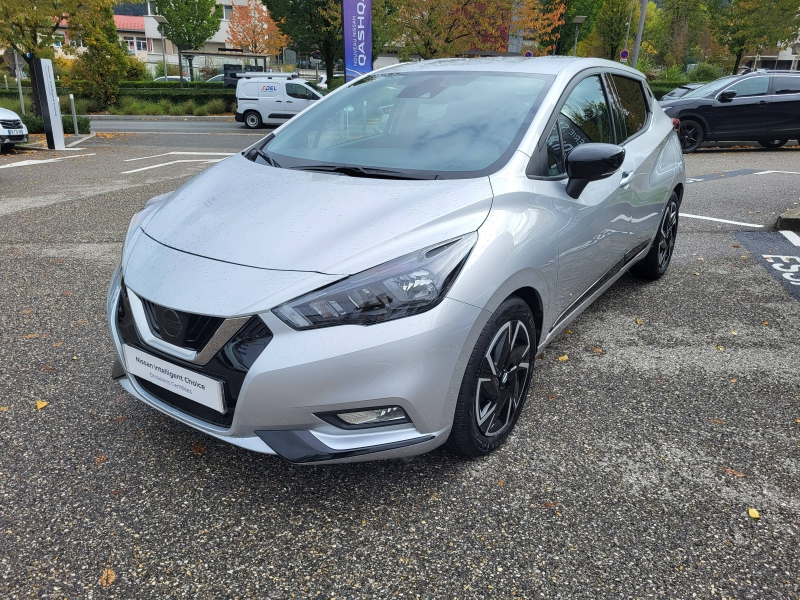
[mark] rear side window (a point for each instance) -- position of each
(632, 105)
(787, 85)
(585, 117)
(753, 86)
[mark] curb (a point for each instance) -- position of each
(157, 118)
(789, 220)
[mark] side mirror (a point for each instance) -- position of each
(727, 96)
(592, 162)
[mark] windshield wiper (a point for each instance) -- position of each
(352, 171)
(269, 160)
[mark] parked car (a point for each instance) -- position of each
(681, 91)
(216, 79)
(322, 80)
(354, 288)
(12, 130)
(760, 106)
(272, 99)
(170, 78)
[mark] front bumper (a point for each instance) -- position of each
(238, 117)
(13, 139)
(416, 363)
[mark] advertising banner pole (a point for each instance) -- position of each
(48, 100)
(357, 32)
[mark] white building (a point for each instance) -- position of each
(787, 58)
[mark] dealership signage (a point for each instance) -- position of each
(357, 20)
(48, 99)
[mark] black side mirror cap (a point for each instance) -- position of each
(727, 96)
(592, 162)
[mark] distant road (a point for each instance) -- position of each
(161, 126)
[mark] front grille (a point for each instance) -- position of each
(10, 124)
(178, 328)
(229, 365)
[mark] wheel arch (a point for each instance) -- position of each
(695, 117)
(533, 299)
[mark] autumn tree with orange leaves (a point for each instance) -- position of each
(440, 28)
(253, 30)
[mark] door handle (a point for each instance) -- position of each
(763, 103)
(627, 177)
(288, 102)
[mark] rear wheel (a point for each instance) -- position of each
(496, 380)
(771, 144)
(252, 120)
(691, 135)
(655, 264)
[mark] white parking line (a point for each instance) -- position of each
(174, 162)
(768, 172)
(182, 153)
(30, 163)
(721, 220)
(792, 237)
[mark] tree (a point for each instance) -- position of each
(684, 22)
(611, 25)
(439, 28)
(585, 8)
(30, 28)
(99, 68)
(189, 22)
(313, 26)
(745, 25)
(252, 29)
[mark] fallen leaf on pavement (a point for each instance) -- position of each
(118, 492)
(551, 397)
(548, 504)
(66, 293)
(40, 404)
(100, 459)
(734, 380)
(107, 578)
(563, 358)
(697, 273)
(568, 331)
(717, 421)
(58, 344)
(736, 245)
(597, 350)
(3, 408)
(27, 311)
(733, 332)
(83, 321)
(501, 482)
(731, 472)
(199, 449)
(720, 348)
(30, 336)
(754, 514)
(118, 419)
(49, 369)
(639, 322)
(74, 358)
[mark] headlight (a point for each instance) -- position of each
(399, 288)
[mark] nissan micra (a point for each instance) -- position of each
(376, 277)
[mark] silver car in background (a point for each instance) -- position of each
(376, 277)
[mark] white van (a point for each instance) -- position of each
(271, 99)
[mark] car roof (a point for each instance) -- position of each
(542, 65)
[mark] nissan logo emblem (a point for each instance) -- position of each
(171, 323)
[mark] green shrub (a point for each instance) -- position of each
(216, 106)
(673, 73)
(33, 123)
(84, 125)
(705, 72)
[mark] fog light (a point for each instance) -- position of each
(373, 417)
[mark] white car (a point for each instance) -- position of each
(272, 99)
(12, 129)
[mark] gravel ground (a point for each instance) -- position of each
(629, 475)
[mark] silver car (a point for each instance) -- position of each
(375, 277)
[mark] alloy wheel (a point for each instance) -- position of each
(690, 135)
(502, 379)
(669, 227)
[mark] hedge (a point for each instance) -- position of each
(36, 125)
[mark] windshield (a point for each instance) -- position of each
(710, 88)
(428, 124)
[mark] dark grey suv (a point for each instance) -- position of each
(762, 106)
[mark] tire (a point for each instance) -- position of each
(655, 264)
(496, 380)
(772, 144)
(252, 120)
(691, 135)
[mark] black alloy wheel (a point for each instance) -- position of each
(771, 144)
(691, 135)
(655, 264)
(496, 380)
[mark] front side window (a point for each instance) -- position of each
(632, 105)
(445, 124)
(753, 86)
(786, 84)
(710, 88)
(300, 92)
(584, 117)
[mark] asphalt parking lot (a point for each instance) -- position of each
(629, 475)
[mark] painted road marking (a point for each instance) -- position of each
(173, 162)
(722, 175)
(30, 163)
(181, 153)
(777, 255)
(791, 236)
(768, 172)
(720, 220)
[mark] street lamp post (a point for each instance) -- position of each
(161, 21)
(577, 21)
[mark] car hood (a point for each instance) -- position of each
(259, 216)
(8, 114)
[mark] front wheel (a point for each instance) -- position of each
(252, 120)
(772, 144)
(496, 380)
(655, 264)
(691, 135)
